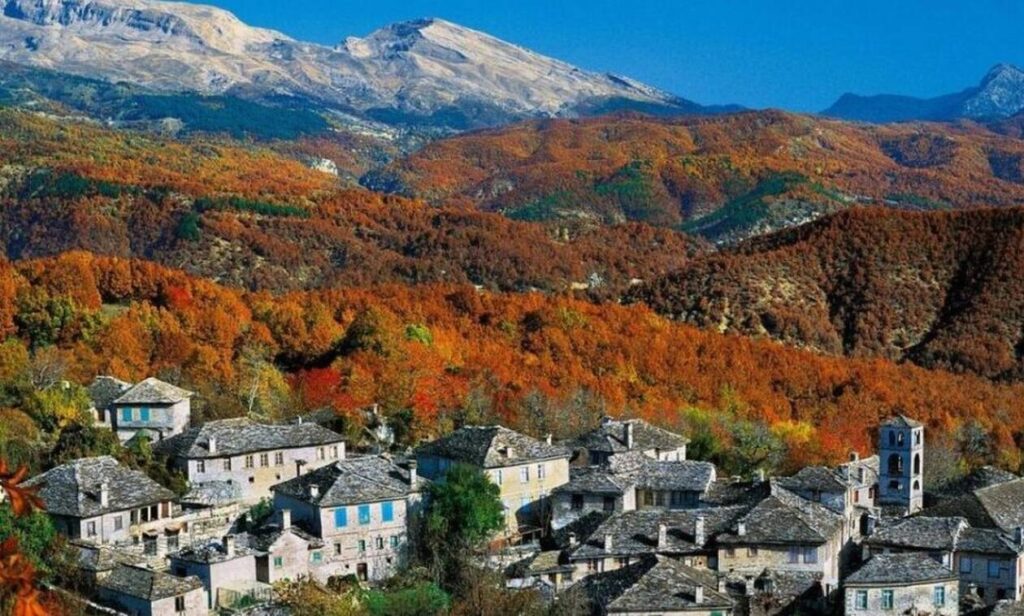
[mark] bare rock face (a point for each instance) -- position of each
(428, 68)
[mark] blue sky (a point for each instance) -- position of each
(766, 53)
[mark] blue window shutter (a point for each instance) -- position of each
(341, 517)
(144, 413)
(387, 512)
(126, 414)
(364, 514)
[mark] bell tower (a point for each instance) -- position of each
(900, 461)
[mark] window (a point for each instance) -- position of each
(887, 600)
(751, 551)
(577, 502)
(316, 557)
(541, 471)
(594, 565)
(126, 414)
(387, 512)
(90, 529)
(940, 596)
(364, 514)
(659, 499)
(201, 466)
(860, 600)
(320, 453)
(172, 543)
(810, 555)
(394, 541)
(609, 503)
(334, 452)
(279, 458)
(118, 522)
(264, 459)
(341, 517)
(337, 549)
(179, 604)
(278, 562)
(149, 545)
(994, 568)
(966, 564)
(227, 464)
(362, 546)
(248, 462)
(144, 414)
(794, 555)
(379, 543)
(524, 474)
(730, 552)
(498, 476)
(622, 562)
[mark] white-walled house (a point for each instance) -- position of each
(251, 457)
(360, 508)
(158, 409)
(286, 552)
(617, 436)
(224, 568)
(902, 584)
(139, 591)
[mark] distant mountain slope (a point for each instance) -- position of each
(724, 177)
(941, 289)
(429, 72)
(1000, 94)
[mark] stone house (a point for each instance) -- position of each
(550, 568)
(136, 590)
(525, 470)
(100, 501)
(152, 407)
(102, 392)
(590, 489)
(653, 585)
(901, 584)
(250, 456)
(360, 509)
(286, 552)
(621, 436)
(225, 569)
(784, 532)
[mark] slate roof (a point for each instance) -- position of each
(490, 447)
(978, 478)
(636, 532)
(241, 436)
(727, 492)
(900, 569)
(73, 489)
(214, 552)
(212, 493)
(849, 471)
(593, 480)
(995, 506)
(147, 584)
(353, 481)
(105, 389)
(540, 563)
(814, 479)
(651, 474)
(265, 537)
(790, 584)
(153, 391)
(653, 584)
(1006, 607)
(923, 532)
(784, 519)
(988, 541)
(610, 437)
(902, 421)
(93, 557)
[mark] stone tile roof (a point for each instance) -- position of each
(784, 519)
(814, 479)
(153, 391)
(212, 493)
(636, 532)
(146, 584)
(727, 492)
(582, 527)
(73, 489)
(610, 437)
(648, 473)
(353, 481)
(902, 421)
(849, 471)
(239, 436)
(653, 584)
(214, 552)
(98, 558)
(922, 532)
(540, 563)
(995, 506)
(1005, 607)
(983, 477)
(491, 447)
(989, 541)
(790, 584)
(105, 389)
(594, 480)
(266, 536)
(900, 569)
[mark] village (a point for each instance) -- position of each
(619, 520)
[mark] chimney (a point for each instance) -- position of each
(547, 439)
(229, 545)
(629, 435)
(510, 452)
(314, 490)
(104, 494)
(741, 528)
(286, 519)
(607, 543)
(572, 540)
(854, 456)
(211, 444)
(413, 472)
(698, 531)
(698, 594)
(662, 536)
